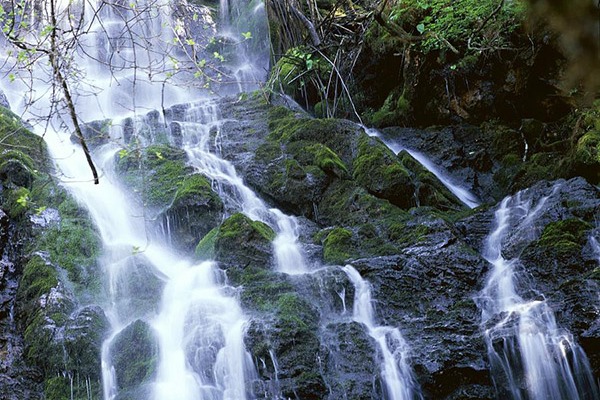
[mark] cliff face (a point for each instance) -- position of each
(51, 331)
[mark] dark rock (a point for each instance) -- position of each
(134, 354)
(350, 362)
(241, 242)
(96, 133)
(4, 100)
(138, 286)
(83, 335)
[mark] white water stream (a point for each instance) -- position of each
(123, 56)
(463, 194)
(396, 373)
(531, 357)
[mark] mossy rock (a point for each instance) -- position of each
(205, 250)
(429, 190)
(380, 171)
(38, 278)
(393, 112)
(338, 246)
(15, 137)
(345, 204)
(195, 210)
(17, 202)
(296, 344)
(565, 237)
(74, 245)
(587, 156)
(16, 168)
(339, 136)
(155, 172)
(243, 242)
(563, 243)
(135, 355)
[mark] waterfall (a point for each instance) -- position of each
(468, 198)
(129, 59)
(531, 357)
(395, 370)
(200, 134)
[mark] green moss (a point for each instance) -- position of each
(135, 355)
(74, 245)
(18, 202)
(238, 224)
(346, 204)
(156, 172)
(327, 160)
(407, 234)
(295, 314)
(379, 170)
(15, 137)
(57, 388)
(194, 185)
(205, 250)
(337, 246)
(262, 288)
(566, 236)
(587, 155)
(394, 110)
(38, 278)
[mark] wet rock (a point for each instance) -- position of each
(427, 291)
(96, 133)
(137, 284)
(4, 100)
(241, 242)
(134, 355)
(350, 362)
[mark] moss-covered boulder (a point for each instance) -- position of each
(183, 200)
(50, 256)
(293, 339)
(134, 354)
(338, 246)
(429, 191)
(137, 285)
(300, 157)
(587, 156)
(239, 242)
(379, 170)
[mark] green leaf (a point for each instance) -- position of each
(247, 35)
(123, 153)
(23, 200)
(421, 28)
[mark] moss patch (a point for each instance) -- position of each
(565, 237)
(205, 250)
(379, 170)
(337, 246)
(38, 278)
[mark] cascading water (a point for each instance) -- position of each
(198, 327)
(463, 194)
(531, 357)
(200, 123)
(397, 375)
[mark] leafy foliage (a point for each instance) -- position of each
(479, 24)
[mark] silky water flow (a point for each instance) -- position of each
(530, 355)
(197, 324)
